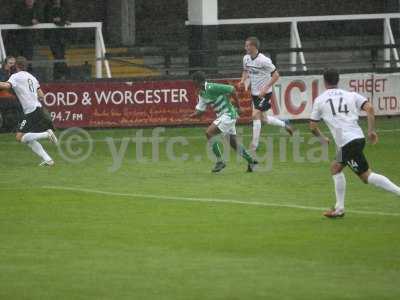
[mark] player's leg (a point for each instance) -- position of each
(256, 116)
(263, 105)
(34, 136)
(34, 127)
(45, 123)
(380, 181)
(38, 125)
(260, 108)
(228, 127)
(359, 164)
(242, 152)
(239, 148)
(270, 120)
(339, 182)
(211, 134)
(36, 148)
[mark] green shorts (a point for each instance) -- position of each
(36, 121)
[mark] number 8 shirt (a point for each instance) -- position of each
(26, 88)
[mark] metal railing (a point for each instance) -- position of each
(171, 61)
(100, 48)
(295, 40)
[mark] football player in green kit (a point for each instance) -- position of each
(218, 96)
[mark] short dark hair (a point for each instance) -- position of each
(254, 41)
(8, 58)
(331, 76)
(199, 77)
(5, 62)
(21, 63)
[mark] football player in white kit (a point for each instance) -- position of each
(340, 110)
(262, 74)
(37, 123)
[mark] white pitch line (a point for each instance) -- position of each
(211, 200)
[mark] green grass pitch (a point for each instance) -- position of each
(172, 230)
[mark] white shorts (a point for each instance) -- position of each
(226, 124)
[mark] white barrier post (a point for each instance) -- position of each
(3, 54)
(103, 52)
(386, 42)
(293, 44)
(298, 42)
(99, 59)
(392, 42)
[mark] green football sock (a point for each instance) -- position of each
(243, 153)
(216, 150)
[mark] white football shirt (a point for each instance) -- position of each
(340, 110)
(259, 70)
(26, 86)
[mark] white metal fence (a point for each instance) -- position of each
(295, 40)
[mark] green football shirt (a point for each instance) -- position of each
(216, 95)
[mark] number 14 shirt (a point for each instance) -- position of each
(340, 110)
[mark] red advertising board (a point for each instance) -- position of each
(159, 103)
(126, 104)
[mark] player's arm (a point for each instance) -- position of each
(236, 101)
(314, 127)
(5, 86)
(315, 117)
(372, 135)
(274, 78)
(199, 110)
(196, 114)
(245, 76)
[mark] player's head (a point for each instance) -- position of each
(331, 77)
(21, 63)
(9, 63)
(252, 45)
(199, 78)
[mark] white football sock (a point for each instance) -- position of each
(31, 136)
(274, 121)
(256, 133)
(340, 189)
(384, 183)
(38, 149)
